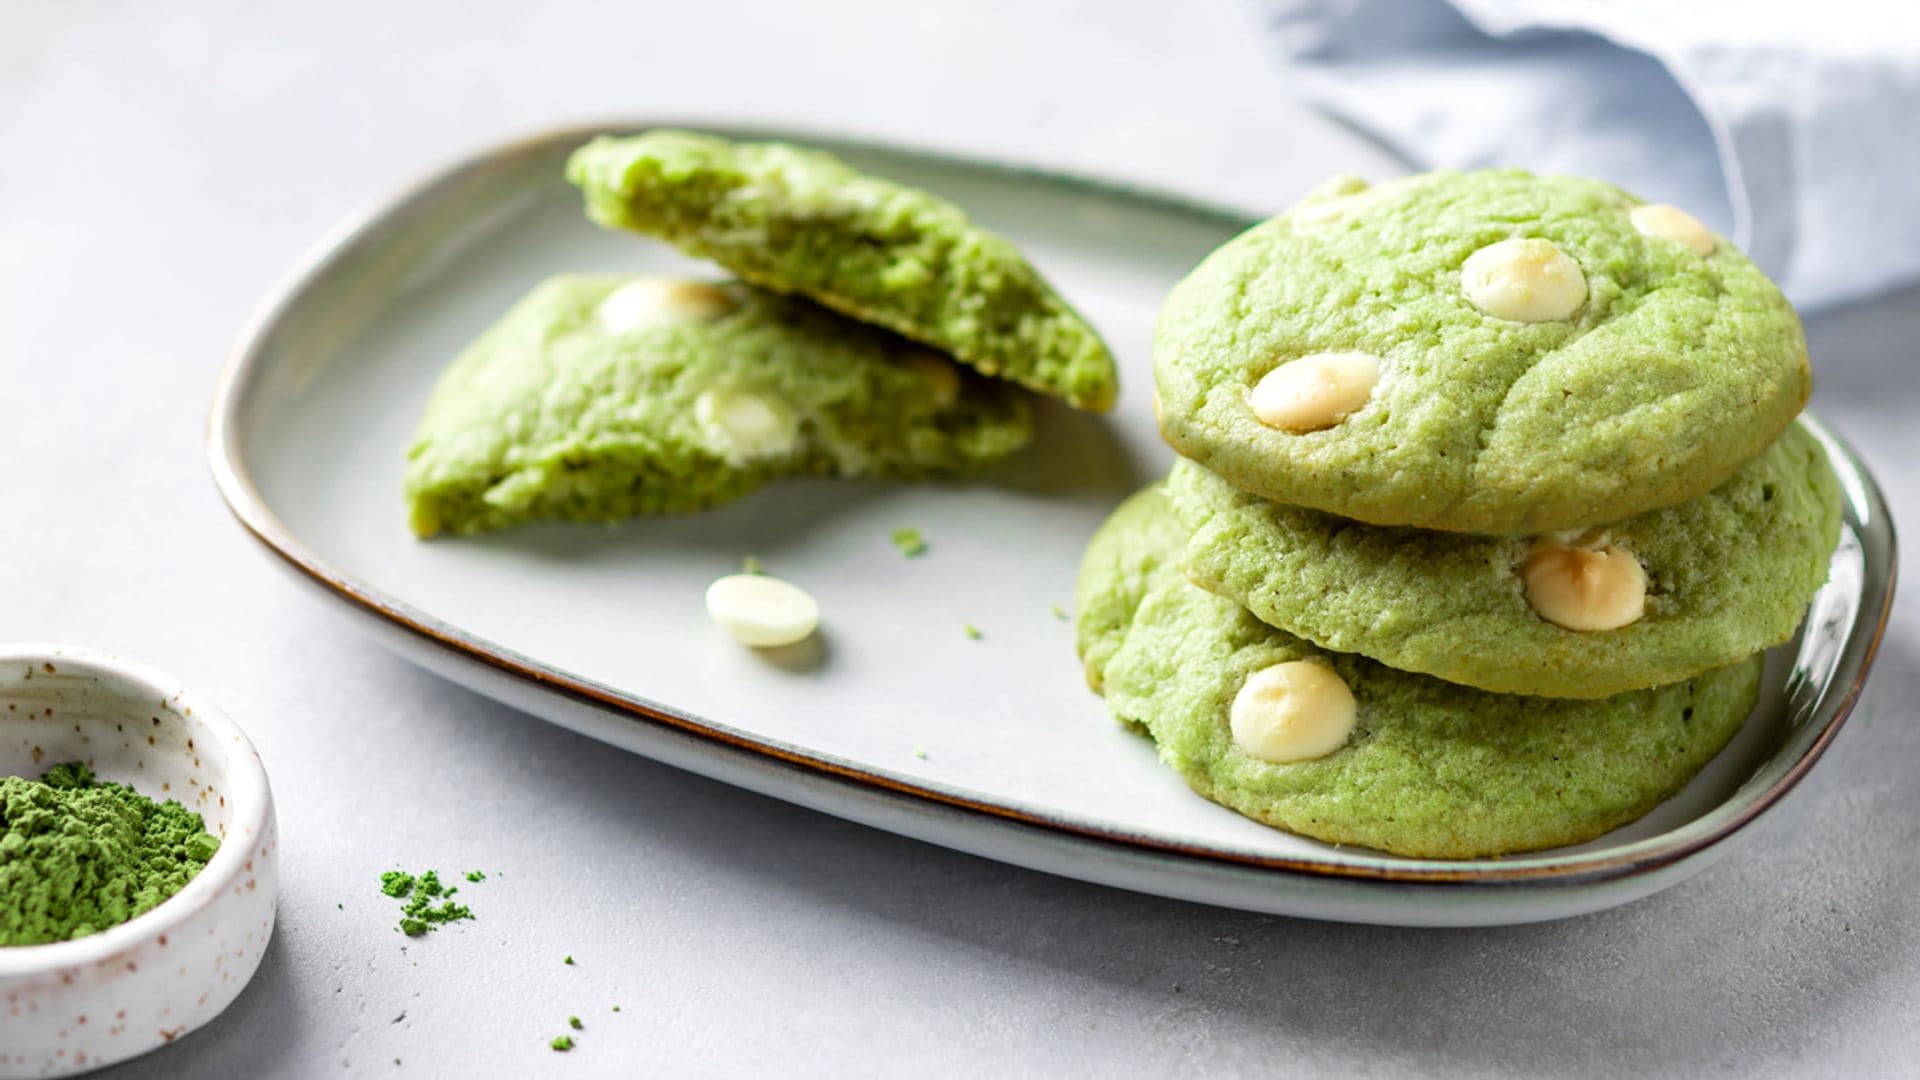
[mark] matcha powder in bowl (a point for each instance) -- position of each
(78, 855)
(139, 862)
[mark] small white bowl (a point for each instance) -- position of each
(72, 1006)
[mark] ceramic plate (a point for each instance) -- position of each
(897, 718)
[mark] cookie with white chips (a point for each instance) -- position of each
(1490, 352)
(1654, 599)
(599, 397)
(1346, 750)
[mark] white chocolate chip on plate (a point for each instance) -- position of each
(1528, 280)
(762, 611)
(741, 425)
(1293, 711)
(1665, 222)
(646, 303)
(1314, 392)
(1584, 588)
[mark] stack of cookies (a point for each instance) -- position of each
(1490, 500)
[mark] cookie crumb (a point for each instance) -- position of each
(910, 542)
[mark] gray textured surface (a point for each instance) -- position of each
(165, 163)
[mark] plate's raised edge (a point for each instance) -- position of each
(1867, 510)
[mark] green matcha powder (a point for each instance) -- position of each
(79, 855)
(428, 903)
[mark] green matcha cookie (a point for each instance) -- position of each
(1721, 578)
(1487, 352)
(802, 221)
(1428, 769)
(600, 397)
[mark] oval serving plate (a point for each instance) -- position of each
(895, 717)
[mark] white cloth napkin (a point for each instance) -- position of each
(1792, 127)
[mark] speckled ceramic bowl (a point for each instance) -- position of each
(78, 1005)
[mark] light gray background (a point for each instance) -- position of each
(161, 165)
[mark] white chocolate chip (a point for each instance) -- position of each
(940, 373)
(1334, 187)
(762, 611)
(1325, 212)
(1528, 280)
(1293, 711)
(1672, 223)
(1315, 216)
(1331, 202)
(646, 303)
(742, 426)
(1594, 587)
(1315, 391)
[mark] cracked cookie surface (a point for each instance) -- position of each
(1643, 376)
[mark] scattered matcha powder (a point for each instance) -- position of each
(422, 913)
(750, 565)
(972, 631)
(616, 1008)
(79, 855)
(920, 752)
(910, 542)
(476, 876)
(574, 1023)
(562, 1043)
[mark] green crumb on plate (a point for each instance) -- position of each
(574, 1023)
(568, 961)
(920, 752)
(750, 565)
(910, 542)
(476, 876)
(562, 1043)
(972, 631)
(1060, 613)
(616, 1008)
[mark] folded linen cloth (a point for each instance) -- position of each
(1792, 127)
